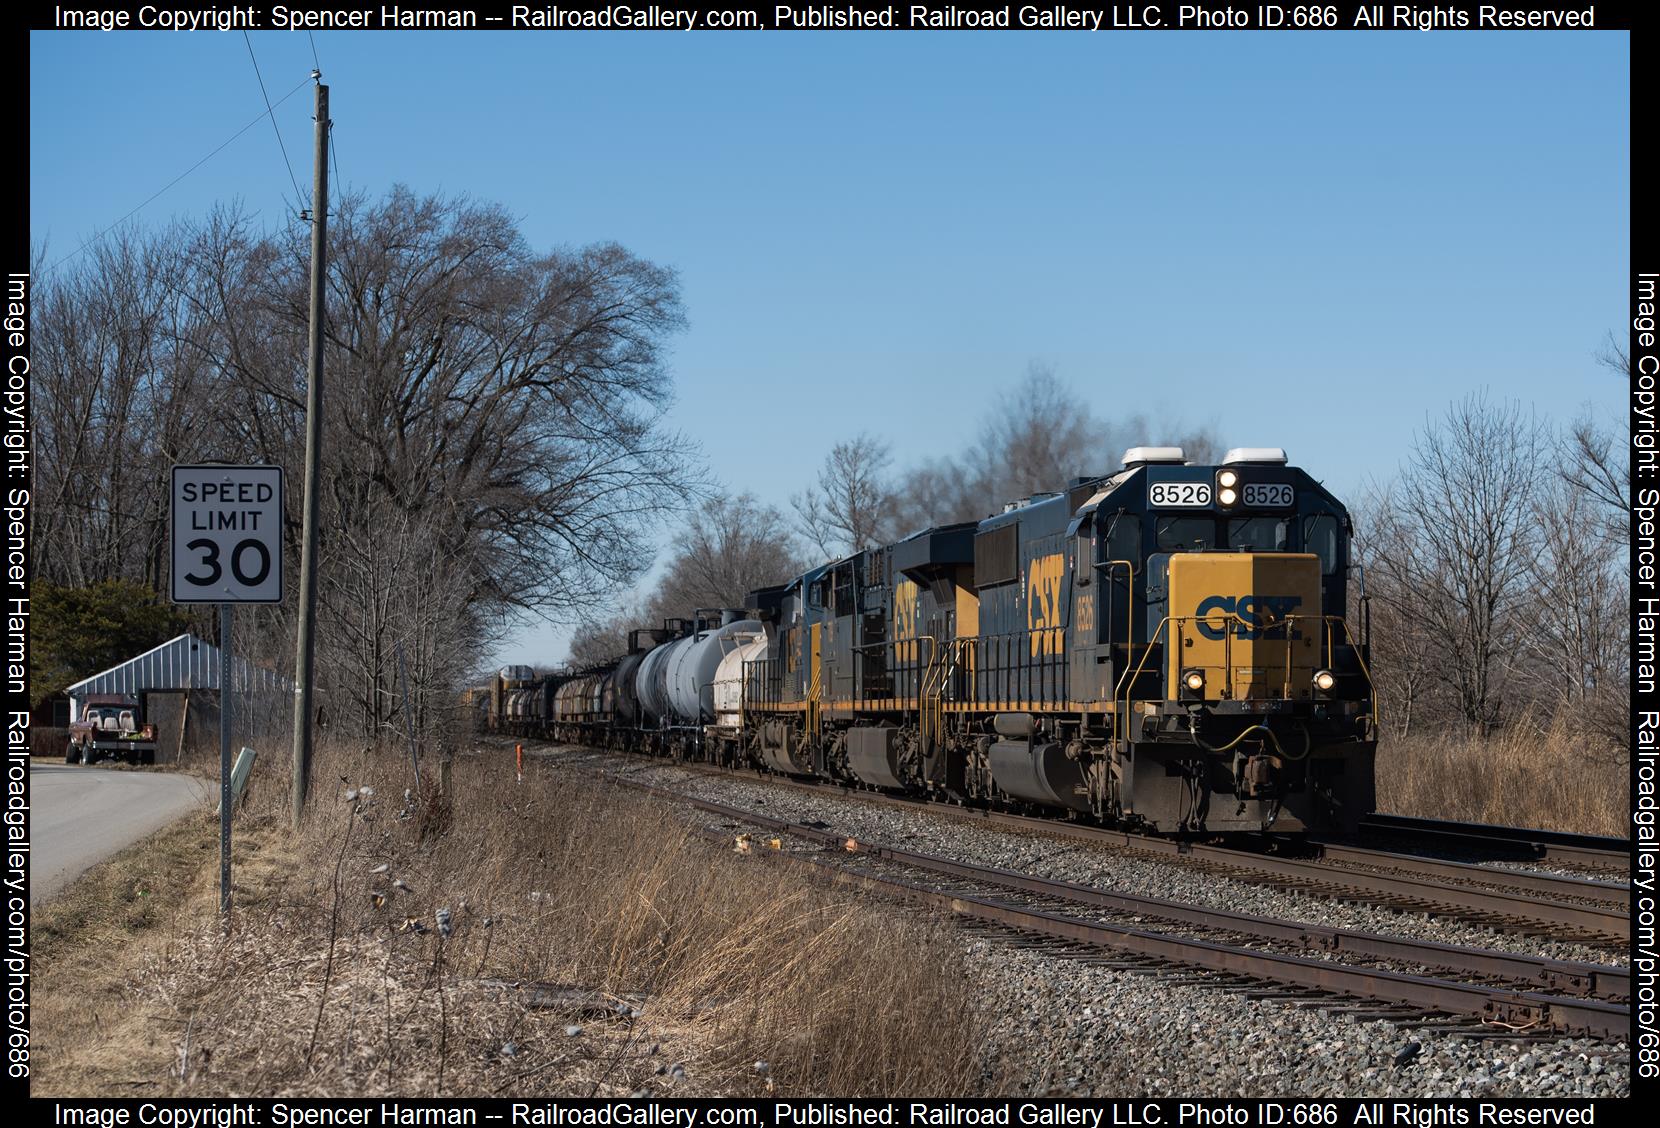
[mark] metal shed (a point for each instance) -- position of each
(182, 663)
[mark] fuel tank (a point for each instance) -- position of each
(1039, 773)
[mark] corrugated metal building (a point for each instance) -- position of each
(179, 664)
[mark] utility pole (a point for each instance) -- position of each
(313, 455)
(226, 694)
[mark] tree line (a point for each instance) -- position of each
(1494, 563)
(497, 443)
(1491, 563)
(495, 434)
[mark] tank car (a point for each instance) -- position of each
(676, 681)
(578, 706)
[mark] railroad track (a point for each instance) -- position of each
(1572, 909)
(1550, 906)
(1502, 843)
(1502, 994)
(1554, 886)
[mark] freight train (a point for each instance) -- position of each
(1170, 647)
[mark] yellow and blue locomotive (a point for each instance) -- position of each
(1169, 647)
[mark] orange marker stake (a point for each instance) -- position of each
(519, 756)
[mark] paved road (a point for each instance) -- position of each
(83, 815)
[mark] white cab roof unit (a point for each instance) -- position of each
(1137, 456)
(1258, 456)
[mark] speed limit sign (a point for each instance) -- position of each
(227, 534)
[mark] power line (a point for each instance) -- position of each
(272, 111)
(155, 195)
(334, 153)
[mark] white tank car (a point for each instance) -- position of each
(692, 674)
(728, 684)
(651, 683)
(676, 680)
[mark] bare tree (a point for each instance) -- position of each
(1582, 642)
(728, 548)
(495, 434)
(725, 549)
(391, 587)
(941, 491)
(599, 641)
(1038, 437)
(1594, 459)
(115, 395)
(1464, 541)
(852, 507)
(1407, 661)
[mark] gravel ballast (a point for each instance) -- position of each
(1057, 1026)
(1084, 863)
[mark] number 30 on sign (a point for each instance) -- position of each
(227, 534)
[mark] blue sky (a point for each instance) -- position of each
(1305, 240)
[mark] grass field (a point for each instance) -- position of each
(555, 938)
(1520, 776)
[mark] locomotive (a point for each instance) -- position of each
(1169, 647)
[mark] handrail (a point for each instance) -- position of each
(1008, 654)
(1129, 606)
(1226, 619)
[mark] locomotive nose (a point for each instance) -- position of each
(1238, 621)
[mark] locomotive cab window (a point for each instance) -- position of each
(1124, 538)
(1186, 534)
(1259, 534)
(1322, 536)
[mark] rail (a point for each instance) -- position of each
(1502, 842)
(1595, 999)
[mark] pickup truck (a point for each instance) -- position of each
(111, 727)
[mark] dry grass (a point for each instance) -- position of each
(1520, 776)
(338, 981)
(87, 943)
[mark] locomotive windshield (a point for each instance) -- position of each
(1186, 534)
(1320, 534)
(1259, 534)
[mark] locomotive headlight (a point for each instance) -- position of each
(1227, 496)
(1324, 680)
(1227, 478)
(1193, 683)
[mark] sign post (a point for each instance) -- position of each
(227, 549)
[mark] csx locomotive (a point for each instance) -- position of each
(1168, 647)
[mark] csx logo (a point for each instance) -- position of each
(1255, 612)
(1044, 581)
